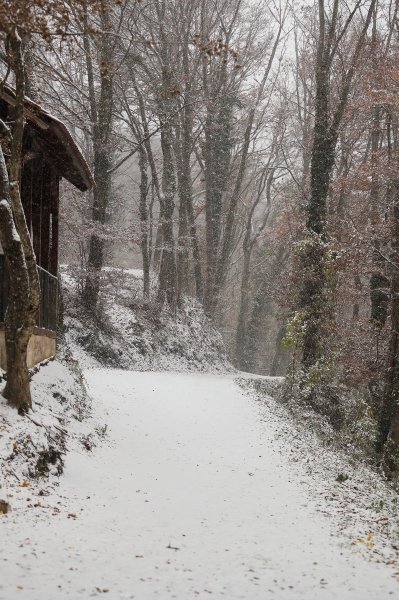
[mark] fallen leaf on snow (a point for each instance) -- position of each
(170, 547)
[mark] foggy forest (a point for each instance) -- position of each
(199, 299)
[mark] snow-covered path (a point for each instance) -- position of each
(187, 498)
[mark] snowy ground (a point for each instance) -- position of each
(193, 493)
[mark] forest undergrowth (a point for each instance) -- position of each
(343, 419)
(343, 471)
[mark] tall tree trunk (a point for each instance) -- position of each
(182, 254)
(388, 443)
(101, 116)
(188, 238)
(242, 324)
(217, 155)
(379, 283)
(144, 225)
(389, 415)
(315, 301)
(167, 288)
(24, 288)
(186, 196)
(167, 274)
(17, 330)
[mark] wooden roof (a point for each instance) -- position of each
(56, 140)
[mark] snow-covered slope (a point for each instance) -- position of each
(195, 493)
(33, 446)
(129, 333)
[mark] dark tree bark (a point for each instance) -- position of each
(167, 288)
(389, 413)
(141, 132)
(101, 117)
(167, 274)
(143, 210)
(379, 283)
(17, 389)
(24, 288)
(217, 155)
(314, 296)
(388, 443)
(184, 149)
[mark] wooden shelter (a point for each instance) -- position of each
(49, 154)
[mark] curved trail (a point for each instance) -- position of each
(187, 498)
